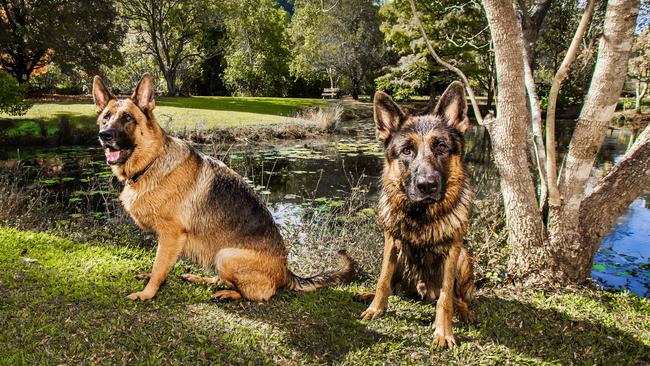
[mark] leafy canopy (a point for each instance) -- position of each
(74, 33)
(458, 32)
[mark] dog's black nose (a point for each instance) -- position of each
(428, 184)
(107, 134)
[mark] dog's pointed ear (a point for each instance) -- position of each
(143, 95)
(452, 106)
(388, 115)
(101, 95)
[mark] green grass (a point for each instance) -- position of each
(173, 113)
(69, 307)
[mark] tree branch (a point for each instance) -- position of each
(600, 102)
(457, 71)
(562, 72)
(536, 117)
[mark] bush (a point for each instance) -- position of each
(327, 118)
(12, 96)
(55, 81)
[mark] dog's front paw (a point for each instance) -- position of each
(141, 295)
(372, 312)
(443, 339)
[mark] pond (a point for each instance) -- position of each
(291, 175)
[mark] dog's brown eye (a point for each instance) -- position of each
(407, 150)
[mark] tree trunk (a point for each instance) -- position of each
(563, 251)
(508, 133)
(571, 256)
(560, 75)
(640, 94)
(170, 78)
(355, 89)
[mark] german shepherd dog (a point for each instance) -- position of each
(196, 205)
(424, 209)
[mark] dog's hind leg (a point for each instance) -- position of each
(255, 276)
(226, 295)
(212, 281)
(464, 287)
(143, 276)
(364, 297)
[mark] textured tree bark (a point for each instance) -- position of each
(562, 251)
(612, 196)
(508, 133)
(572, 256)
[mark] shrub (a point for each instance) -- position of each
(327, 118)
(12, 96)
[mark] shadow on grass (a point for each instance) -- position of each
(554, 336)
(323, 324)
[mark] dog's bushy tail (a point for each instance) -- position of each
(344, 273)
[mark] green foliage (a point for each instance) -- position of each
(337, 40)
(169, 33)
(257, 55)
(77, 33)
(570, 95)
(55, 81)
(410, 77)
(122, 79)
(556, 34)
(458, 32)
(12, 96)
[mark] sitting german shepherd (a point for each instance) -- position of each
(424, 209)
(196, 206)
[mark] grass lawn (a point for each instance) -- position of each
(43, 119)
(69, 307)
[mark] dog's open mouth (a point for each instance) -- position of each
(114, 157)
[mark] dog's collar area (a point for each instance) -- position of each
(139, 174)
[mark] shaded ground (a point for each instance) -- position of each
(64, 302)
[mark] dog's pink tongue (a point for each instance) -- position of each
(112, 155)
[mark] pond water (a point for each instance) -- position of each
(293, 175)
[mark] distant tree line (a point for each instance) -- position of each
(278, 47)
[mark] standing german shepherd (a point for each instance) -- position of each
(196, 205)
(424, 209)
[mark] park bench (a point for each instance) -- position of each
(330, 92)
